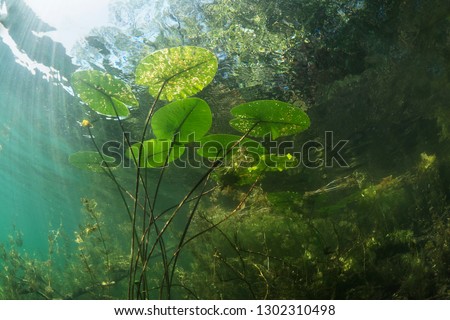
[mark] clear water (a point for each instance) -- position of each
(376, 229)
(38, 188)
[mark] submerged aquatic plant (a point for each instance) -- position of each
(90, 264)
(174, 75)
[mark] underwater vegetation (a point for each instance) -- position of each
(88, 264)
(393, 252)
(179, 139)
(174, 75)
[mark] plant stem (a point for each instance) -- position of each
(133, 265)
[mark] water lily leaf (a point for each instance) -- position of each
(103, 93)
(156, 153)
(183, 71)
(183, 120)
(269, 116)
(90, 160)
(217, 146)
(275, 162)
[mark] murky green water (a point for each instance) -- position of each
(365, 215)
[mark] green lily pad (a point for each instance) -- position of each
(217, 146)
(90, 160)
(103, 93)
(274, 162)
(156, 153)
(183, 120)
(263, 117)
(183, 71)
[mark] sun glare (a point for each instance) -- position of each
(71, 19)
